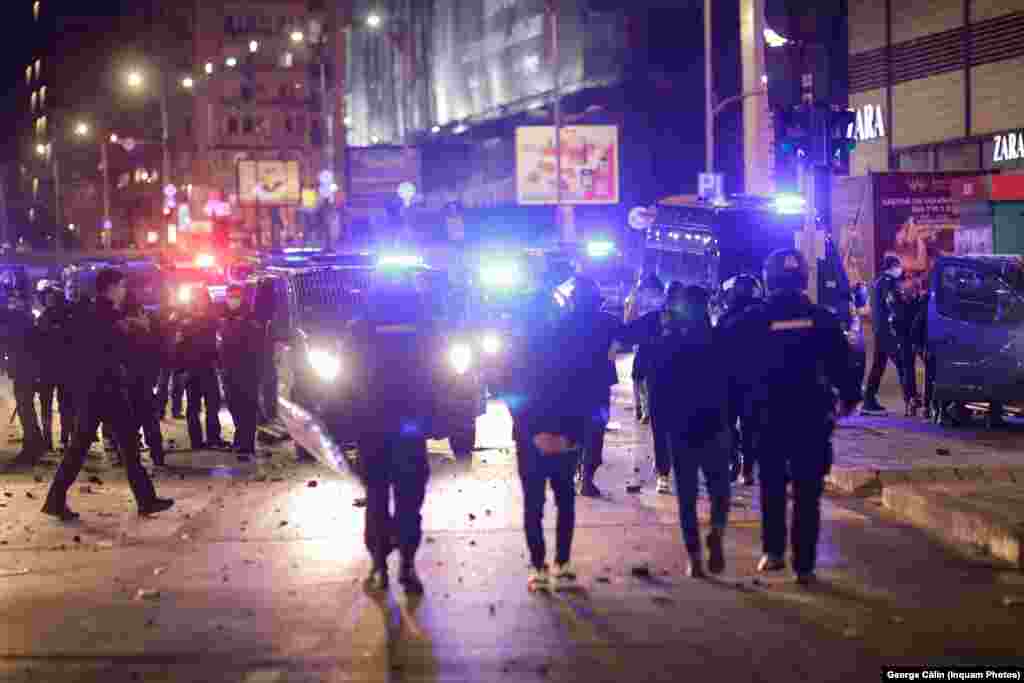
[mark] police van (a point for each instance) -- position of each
(307, 301)
(706, 243)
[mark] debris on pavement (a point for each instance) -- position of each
(492, 609)
(95, 480)
(30, 495)
(8, 494)
(472, 542)
(159, 570)
(896, 619)
(38, 479)
(85, 489)
(14, 572)
(77, 539)
(472, 517)
(662, 601)
(641, 571)
(283, 523)
(430, 539)
(851, 632)
(312, 483)
(185, 537)
(105, 544)
(147, 594)
(1013, 601)
(359, 503)
(942, 451)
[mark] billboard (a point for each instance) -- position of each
(590, 165)
(374, 174)
(269, 183)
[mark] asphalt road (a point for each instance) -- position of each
(256, 576)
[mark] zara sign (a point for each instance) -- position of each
(1009, 147)
(869, 124)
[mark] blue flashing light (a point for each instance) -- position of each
(400, 260)
(501, 275)
(790, 204)
(600, 248)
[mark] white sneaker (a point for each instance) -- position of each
(565, 576)
(538, 580)
(663, 484)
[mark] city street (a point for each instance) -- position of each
(256, 575)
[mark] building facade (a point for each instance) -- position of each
(934, 83)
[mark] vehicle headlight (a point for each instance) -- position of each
(461, 357)
(325, 364)
(491, 343)
(184, 294)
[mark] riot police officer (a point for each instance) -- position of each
(800, 360)
(241, 361)
(648, 296)
(104, 331)
(738, 294)
(56, 337)
(886, 299)
(21, 342)
(395, 349)
(197, 350)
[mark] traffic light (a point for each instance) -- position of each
(842, 140)
(792, 145)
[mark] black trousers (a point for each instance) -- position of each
(171, 385)
(268, 390)
(662, 451)
(929, 377)
(804, 462)
(886, 351)
(106, 404)
(202, 387)
(711, 458)
(592, 455)
(908, 370)
(148, 410)
(48, 390)
(25, 403)
(535, 471)
(243, 401)
(393, 463)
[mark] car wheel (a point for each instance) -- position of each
(462, 441)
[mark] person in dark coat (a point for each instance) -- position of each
(57, 342)
(197, 354)
(146, 358)
(241, 361)
(586, 321)
(802, 365)
(552, 401)
(885, 298)
(103, 335)
(648, 295)
(22, 346)
(171, 384)
(692, 379)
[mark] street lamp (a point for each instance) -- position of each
(209, 68)
(134, 79)
(373, 21)
(41, 149)
(231, 62)
(298, 36)
(187, 82)
(81, 129)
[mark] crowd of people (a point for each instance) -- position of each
(115, 367)
(696, 382)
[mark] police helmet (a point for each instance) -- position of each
(785, 270)
(688, 301)
(891, 261)
(738, 288)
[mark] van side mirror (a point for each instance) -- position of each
(860, 295)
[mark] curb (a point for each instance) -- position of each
(859, 481)
(969, 521)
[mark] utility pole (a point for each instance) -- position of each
(58, 208)
(709, 94)
(106, 182)
(565, 213)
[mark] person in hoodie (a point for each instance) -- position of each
(550, 402)
(588, 322)
(21, 343)
(197, 353)
(691, 394)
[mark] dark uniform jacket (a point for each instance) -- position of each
(242, 338)
(644, 333)
(56, 336)
(790, 357)
(21, 343)
(102, 340)
(198, 347)
(596, 331)
(886, 301)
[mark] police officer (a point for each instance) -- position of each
(885, 300)
(648, 295)
(103, 333)
(146, 356)
(740, 293)
(197, 348)
(56, 342)
(587, 322)
(241, 361)
(22, 346)
(800, 360)
(171, 384)
(395, 349)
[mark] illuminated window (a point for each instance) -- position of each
(42, 96)
(35, 187)
(28, 73)
(35, 100)
(39, 67)
(287, 60)
(35, 10)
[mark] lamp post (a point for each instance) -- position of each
(136, 81)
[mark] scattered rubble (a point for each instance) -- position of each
(159, 570)
(147, 594)
(942, 451)
(1013, 601)
(641, 572)
(312, 483)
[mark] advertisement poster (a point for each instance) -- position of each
(376, 172)
(590, 165)
(269, 183)
(916, 218)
